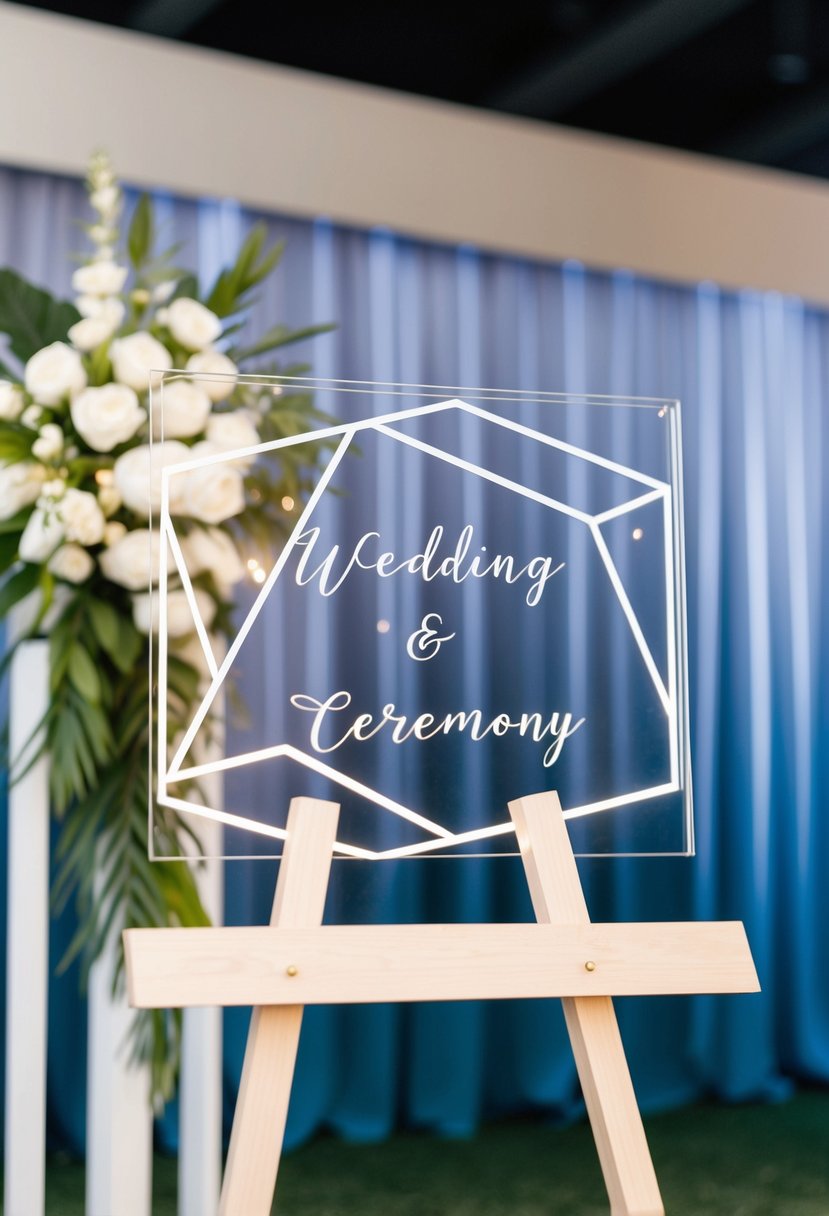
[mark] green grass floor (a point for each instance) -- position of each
(739, 1161)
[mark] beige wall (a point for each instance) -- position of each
(200, 122)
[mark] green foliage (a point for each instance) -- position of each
(15, 442)
(141, 232)
(30, 317)
(17, 586)
(232, 288)
(279, 336)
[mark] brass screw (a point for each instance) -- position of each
(590, 965)
(292, 970)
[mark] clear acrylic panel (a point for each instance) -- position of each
(473, 595)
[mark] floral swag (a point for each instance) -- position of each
(75, 543)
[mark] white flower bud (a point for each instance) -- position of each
(11, 401)
(49, 443)
(71, 563)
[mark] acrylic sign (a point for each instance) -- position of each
(477, 595)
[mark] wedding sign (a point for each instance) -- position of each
(477, 593)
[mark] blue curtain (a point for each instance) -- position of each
(752, 373)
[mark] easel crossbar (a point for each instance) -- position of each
(347, 964)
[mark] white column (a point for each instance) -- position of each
(27, 961)
(119, 1121)
(200, 1085)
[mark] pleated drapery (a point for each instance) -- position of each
(752, 372)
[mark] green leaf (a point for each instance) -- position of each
(98, 365)
(8, 550)
(130, 642)
(17, 586)
(141, 235)
(84, 674)
(31, 317)
(251, 267)
(15, 442)
(187, 288)
(105, 622)
(280, 335)
(16, 523)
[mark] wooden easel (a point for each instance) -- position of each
(296, 961)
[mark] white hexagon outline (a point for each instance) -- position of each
(442, 838)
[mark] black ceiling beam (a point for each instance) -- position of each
(616, 50)
(170, 18)
(781, 131)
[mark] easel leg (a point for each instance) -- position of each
(270, 1056)
(591, 1022)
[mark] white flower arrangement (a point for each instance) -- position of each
(75, 546)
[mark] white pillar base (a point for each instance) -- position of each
(119, 1121)
(27, 961)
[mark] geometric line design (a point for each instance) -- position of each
(440, 838)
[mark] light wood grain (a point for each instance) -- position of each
(345, 964)
(270, 1057)
(591, 1021)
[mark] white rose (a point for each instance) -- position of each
(231, 431)
(179, 617)
(108, 308)
(41, 536)
(114, 531)
(91, 332)
(183, 411)
(11, 401)
(49, 443)
(192, 325)
(219, 371)
(213, 551)
(102, 278)
(71, 563)
(133, 559)
(109, 500)
(107, 416)
(138, 476)
(213, 493)
(135, 357)
(82, 517)
(54, 373)
(20, 485)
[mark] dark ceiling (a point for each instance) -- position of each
(742, 78)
